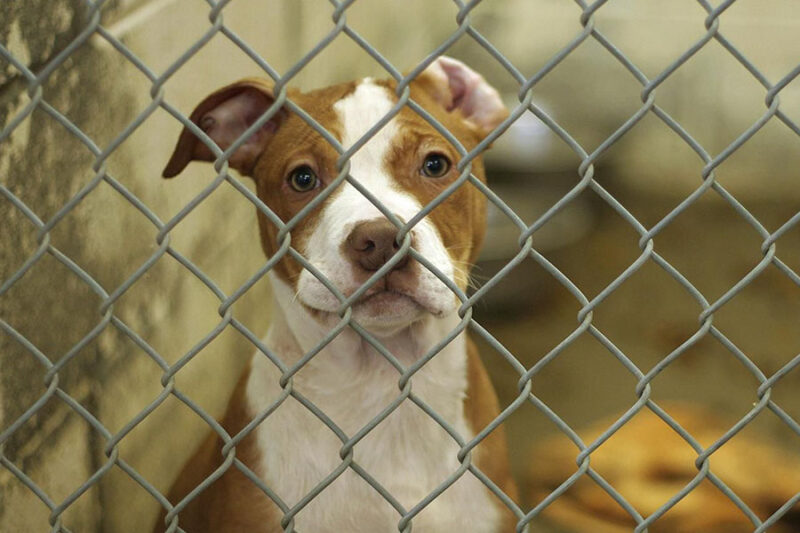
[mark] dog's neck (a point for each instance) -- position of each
(348, 368)
(408, 451)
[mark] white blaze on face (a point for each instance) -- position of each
(358, 112)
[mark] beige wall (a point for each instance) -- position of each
(589, 94)
(712, 95)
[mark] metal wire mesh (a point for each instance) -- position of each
(36, 77)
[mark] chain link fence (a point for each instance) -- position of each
(35, 76)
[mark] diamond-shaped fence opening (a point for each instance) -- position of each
(641, 268)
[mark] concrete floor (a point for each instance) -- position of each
(647, 317)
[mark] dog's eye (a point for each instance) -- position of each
(435, 165)
(303, 179)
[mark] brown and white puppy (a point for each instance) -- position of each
(405, 165)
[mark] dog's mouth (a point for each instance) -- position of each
(383, 304)
(385, 296)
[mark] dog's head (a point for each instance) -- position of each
(405, 165)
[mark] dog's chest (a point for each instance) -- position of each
(406, 453)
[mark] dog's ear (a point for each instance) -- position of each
(225, 115)
(459, 88)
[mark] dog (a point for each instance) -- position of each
(406, 164)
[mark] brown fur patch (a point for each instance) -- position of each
(232, 503)
(491, 455)
(295, 144)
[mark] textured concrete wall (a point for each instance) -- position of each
(101, 93)
(55, 448)
(109, 239)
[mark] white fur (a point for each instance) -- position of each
(408, 453)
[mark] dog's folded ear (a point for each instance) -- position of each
(459, 88)
(224, 116)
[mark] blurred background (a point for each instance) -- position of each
(590, 94)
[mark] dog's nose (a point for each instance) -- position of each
(372, 243)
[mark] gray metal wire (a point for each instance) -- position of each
(641, 396)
